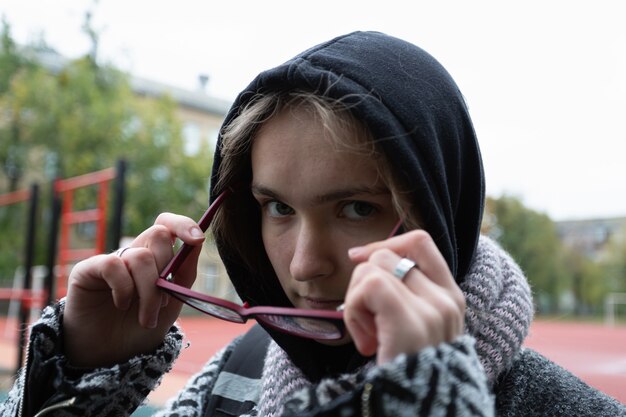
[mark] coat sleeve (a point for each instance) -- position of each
(47, 380)
(443, 380)
(536, 386)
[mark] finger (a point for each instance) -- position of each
(416, 245)
(188, 231)
(387, 260)
(107, 273)
(414, 279)
(449, 302)
(159, 242)
(188, 270)
(181, 227)
(178, 226)
(157, 239)
(361, 327)
(160, 238)
(366, 297)
(186, 261)
(143, 270)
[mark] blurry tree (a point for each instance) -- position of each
(531, 239)
(162, 176)
(563, 279)
(614, 262)
(83, 118)
(587, 280)
(13, 141)
(13, 153)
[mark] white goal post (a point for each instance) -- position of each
(610, 306)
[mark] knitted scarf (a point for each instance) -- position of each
(498, 315)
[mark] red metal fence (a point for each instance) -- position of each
(64, 211)
(70, 216)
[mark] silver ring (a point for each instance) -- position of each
(121, 251)
(403, 267)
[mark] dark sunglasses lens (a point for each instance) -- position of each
(311, 328)
(210, 308)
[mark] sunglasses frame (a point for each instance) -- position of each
(165, 282)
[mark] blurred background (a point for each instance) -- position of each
(134, 93)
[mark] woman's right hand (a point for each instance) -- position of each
(389, 315)
(113, 309)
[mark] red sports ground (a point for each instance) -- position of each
(596, 353)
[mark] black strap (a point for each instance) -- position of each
(245, 360)
(248, 356)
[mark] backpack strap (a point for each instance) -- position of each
(238, 386)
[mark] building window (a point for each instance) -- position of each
(209, 278)
(191, 137)
(212, 136)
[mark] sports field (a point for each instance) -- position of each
(594, 352)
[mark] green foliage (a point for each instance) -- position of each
(588, 282)
(83, 118)
(556, 273)
(11, 61)
(614, 263)
(161, 177)
(13, 65)
(532, 240)
(12, 242)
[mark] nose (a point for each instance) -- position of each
(313, 255)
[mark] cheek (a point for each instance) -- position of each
(277, 249)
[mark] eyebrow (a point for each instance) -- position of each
(333, 195)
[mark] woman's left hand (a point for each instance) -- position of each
(389, 316)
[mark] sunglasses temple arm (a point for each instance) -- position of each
(172, 267)
(397, 229)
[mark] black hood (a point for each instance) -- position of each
(420, 122)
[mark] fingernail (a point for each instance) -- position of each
(196, 232)
(356, 251)
(165, 299)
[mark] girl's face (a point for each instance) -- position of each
(316, 202)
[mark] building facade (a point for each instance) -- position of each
(591, 236)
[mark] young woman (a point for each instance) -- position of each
(348, 178)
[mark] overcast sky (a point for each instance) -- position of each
(545, 80)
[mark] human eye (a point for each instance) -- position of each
(277, 209)
(358, 210)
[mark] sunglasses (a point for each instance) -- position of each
(310, 324)
(306, 323)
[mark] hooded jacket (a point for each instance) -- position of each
(419, 121)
